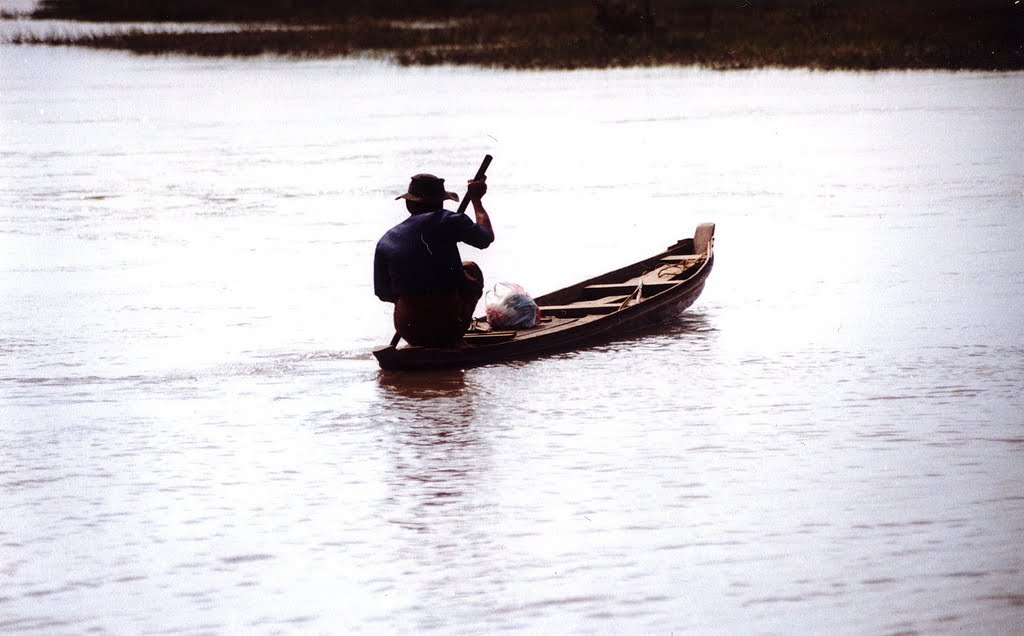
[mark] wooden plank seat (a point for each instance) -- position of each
(624, 289)
(677, 258)
(488, 337)
(576, 310)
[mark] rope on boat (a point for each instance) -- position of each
(636, 292)
(671, 271)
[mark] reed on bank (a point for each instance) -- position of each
(567, 35)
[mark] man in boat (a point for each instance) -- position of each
(417, 265)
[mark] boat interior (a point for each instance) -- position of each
(599, 297)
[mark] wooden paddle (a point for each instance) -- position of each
(480, 174)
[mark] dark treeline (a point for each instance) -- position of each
(826, 34)
(333, 10)
(267, 10)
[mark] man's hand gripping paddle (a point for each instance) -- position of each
(480, 174)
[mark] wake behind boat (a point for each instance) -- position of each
(600, 308)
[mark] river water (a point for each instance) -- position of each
(194, 436)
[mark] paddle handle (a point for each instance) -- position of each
(479, 175)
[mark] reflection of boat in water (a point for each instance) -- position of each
(600, 308)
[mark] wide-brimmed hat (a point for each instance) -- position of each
(427, 187)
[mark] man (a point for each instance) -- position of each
(417, 264)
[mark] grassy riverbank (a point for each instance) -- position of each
(817, 33)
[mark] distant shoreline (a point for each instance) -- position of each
(820, 35)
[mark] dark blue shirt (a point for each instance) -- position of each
(420, 255)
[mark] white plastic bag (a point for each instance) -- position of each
(510, 307)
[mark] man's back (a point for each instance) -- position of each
(421, 255)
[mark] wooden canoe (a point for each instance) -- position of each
(598, 309)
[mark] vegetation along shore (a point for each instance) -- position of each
(568, 34)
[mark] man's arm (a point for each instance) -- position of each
(476, 192)
(381, 278)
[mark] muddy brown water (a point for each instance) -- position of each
(195, 438)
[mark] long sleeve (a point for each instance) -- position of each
(468, 232)
(382, 278)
